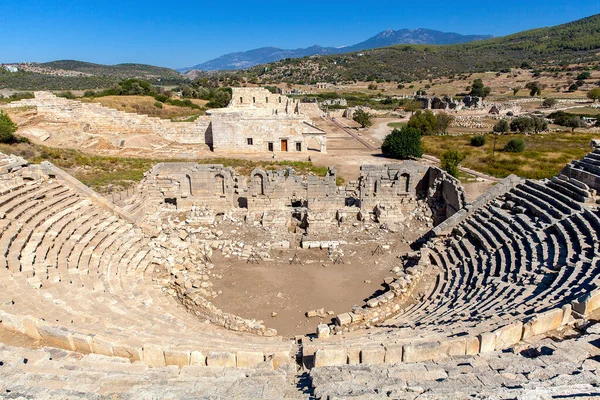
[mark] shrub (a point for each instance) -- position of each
(451, 160)
(362, 117)
(425, 122)
(158, 104)
(67, 95)
(478, 141)
(515, 146)
(548, 103)
(7, 129)
(161, 97)
(502, 127)
(402, 144)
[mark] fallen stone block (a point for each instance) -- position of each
(343, 319)
(323, 331)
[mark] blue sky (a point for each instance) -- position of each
(184, 33)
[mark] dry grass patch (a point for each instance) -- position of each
(144, 105)
(545, 155)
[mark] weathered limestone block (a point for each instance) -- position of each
(220, 359)
(417, 352)
(197, 358)
(101, 346)
(343, 319)
(353, 355)
(280, 358)
(543, 323)
(154, 356)
(323, 331)
(372, 355)
(472, 345)
(249, 359)
(56, 337)
(587, 303)
(393, 353)
(508, 335)
(82, 343)
(453, 347)
(177, 357)
(331, 356)
(487, 342)
(133, 352)
(12, 322)
(30, 326)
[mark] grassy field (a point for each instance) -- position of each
(397, 125)
(145, 105)
(99, 172)
(545, 155)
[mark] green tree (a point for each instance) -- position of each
(584, 75)
(7, 128)
(575, 122)
(479, 89)
(424, 121)
(413, 105)
(451, 159)
(573, 88)
(539, 124)
(522, 125)
(444, 120)
(535, 88)
(502, 127)
(516, 90)
(594, 94)
(515, 146)
(402, 144)
(362, 117)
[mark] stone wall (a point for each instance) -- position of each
(183, 186)
(389, 193)
(95, 118)
(254, 121)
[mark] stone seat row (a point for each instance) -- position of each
(525, 257)
(51, 373)
(84, 271)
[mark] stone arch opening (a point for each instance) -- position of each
(220, 184)
(405, 182)
(258, 184)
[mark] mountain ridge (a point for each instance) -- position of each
(389, 37)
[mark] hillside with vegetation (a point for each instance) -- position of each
(575, 42)
(78, 75)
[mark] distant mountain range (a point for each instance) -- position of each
(247, 59)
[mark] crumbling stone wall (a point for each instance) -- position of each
(181, 186)
(391, 191)
(96, 118)
(317, 204)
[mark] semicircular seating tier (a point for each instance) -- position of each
(522, 264)
(78, 276)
